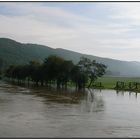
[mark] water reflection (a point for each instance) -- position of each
(69, 96)
(131, 94)
(47, 112)
(87, 100)
(94, 102)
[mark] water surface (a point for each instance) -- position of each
(41, 112)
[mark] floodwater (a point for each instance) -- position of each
(41, 112)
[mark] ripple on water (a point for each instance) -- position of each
(44, 112)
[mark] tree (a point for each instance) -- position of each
(52, 65)
(34, 71)
(10, 72)
(78, 77)
(58, 70)
(1, 65)
(97, 70)
(65, 73)
(92, 69)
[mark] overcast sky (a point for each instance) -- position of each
(103, 29)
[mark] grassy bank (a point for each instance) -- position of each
(110, 81)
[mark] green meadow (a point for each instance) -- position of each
(109, 82)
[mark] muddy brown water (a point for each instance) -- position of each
(40, 112)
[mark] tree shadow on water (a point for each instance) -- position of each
(87, 99)
(67, 96)
(124, 93)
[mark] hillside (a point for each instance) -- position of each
(12, 52)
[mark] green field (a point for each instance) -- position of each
(110, 82)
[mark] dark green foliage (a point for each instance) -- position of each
(57, 69)
(91, 69)
(53, 66)
(54, 70)
(66, 69)
(1, 64)
(35, 71)
(78, 77)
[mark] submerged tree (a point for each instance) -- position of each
(1, 65)
(92, 69)
(56, 70)
(52, 66)
(65, 73)
(78, 77)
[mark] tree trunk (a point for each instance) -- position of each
(28, 81)
(58, 84)
(65, 84)
(36, 83)
(42, 82)
(91, 81)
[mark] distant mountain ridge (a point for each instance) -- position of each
(13, 52)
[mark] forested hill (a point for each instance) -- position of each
(12, 52)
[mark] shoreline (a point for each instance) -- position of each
(71, 86)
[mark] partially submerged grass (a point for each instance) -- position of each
(109, 82)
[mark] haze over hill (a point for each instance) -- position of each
(12, 52)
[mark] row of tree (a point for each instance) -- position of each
(56, 70)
